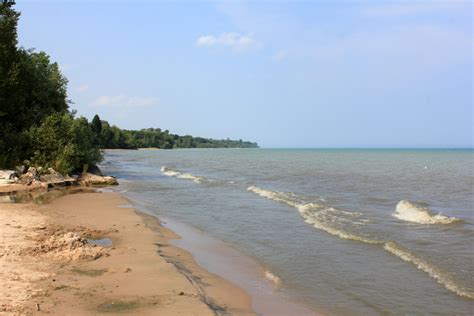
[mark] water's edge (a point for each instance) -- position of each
(221, 259)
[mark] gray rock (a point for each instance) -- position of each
(20, 170)
(29, 177)
(94, 170)
(92, 179)
(52, 178)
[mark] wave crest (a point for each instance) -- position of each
(320, 215)
(335, 222)
(273, 278)
(424, 265)
(181, 175)
(412, 212)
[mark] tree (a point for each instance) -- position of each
(64, 143)
(96, 126)
(8, 57)
(31, 89)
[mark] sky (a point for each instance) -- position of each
(283, 74)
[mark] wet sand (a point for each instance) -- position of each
(47, 267)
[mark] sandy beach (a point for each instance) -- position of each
(90, 253)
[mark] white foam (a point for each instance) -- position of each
(411, 212)
(181, 175)
(283, 197)
(424, 265)
(318, 220)
(318, 214)
(272, 277)
(327, 219)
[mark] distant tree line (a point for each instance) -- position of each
(37, 126)
(113, 137)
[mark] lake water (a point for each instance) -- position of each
(346, 232)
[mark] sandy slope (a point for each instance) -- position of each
(45, 260)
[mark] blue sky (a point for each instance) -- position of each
(284, 74)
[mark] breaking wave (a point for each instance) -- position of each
(273, 278)
(338, 223)
(181, 175)
(320, 215)
(436, 273)
(412, 212)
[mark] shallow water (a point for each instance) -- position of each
(355, 232)
(42, 196)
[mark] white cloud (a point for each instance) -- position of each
(82, 88)
(401, 38)
(123, 101)
(237, 42)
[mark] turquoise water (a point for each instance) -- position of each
(348, 232)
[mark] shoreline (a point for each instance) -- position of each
(140, 272)
(225, 261)
(222, 259)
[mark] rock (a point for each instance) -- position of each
(20, 170)
(30, 177)
(52, 171)
(94, 170)
(7, 174)
(33, 171)
(92, 179)
(52, 176)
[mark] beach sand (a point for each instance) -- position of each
(47, 268)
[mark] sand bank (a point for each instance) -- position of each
(83, 254)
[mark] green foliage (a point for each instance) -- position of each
(114, 138)
(34, 118)
(64, 143)
(35, 122)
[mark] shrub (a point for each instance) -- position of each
(64, 143)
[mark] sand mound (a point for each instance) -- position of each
(66, 246)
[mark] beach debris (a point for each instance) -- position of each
(128, 270)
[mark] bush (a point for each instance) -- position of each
(64, 143)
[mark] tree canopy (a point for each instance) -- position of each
(33, 96)
(37, 126)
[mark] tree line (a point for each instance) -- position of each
(38, 127)
(113, 137)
